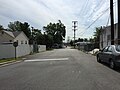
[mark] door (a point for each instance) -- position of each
(108, 54)
(103, 54)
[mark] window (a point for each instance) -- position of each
(117, 48)
(110, 49)
(17, 40)
(25, 42)
(10, 40)
(108, 37)
(21, 42)
(105, 49)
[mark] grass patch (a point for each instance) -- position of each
(49, 49)
(8, 60)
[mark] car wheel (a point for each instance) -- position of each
(112, 64)
(98, 59)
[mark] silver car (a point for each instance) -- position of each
(111, 55)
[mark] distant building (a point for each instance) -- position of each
(105, 37)
(85, 46)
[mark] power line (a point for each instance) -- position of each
(84, 6)
(96, 20)
(92, 14)
(103, 12)
(98, 5)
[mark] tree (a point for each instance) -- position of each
(14, 26)
(19, 26)
(97, 37)
(71, 43)
(25, 27)
(80, 39)
(85, 40)
(56, 30)
(48, 40)
(1, 27)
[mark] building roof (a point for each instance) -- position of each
(9, 33)
(14, 34)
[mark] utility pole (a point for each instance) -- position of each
(112, 22)
(118, 22)
(33, 41)
(74, 29)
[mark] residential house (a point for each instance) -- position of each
(6, 44)
(105, 37)
(10, 37)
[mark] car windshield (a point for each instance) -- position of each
(117, 48)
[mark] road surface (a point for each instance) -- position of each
(60, 69)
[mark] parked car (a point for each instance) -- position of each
(111, 55)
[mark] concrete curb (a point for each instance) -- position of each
(10, 63)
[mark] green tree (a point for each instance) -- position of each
(49, 40)
(85, 40)
(56, 30)
(25, 27)
(14, 26)
(71, 43)
(80, 39)
(97, 37)
(1, 27)
(19, 26)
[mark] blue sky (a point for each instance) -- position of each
(40, 12)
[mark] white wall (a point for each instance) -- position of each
(41, 48)
(7, 51)
(23, 50)
(21, 37)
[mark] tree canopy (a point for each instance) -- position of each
(19, 26)
(56, 30)
(1, 27)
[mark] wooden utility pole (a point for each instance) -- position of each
(74, 29)
(112, 22)
(118, 22)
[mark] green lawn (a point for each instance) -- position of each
(9, 59)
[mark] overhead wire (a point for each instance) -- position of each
(83, 7)
(96, 8)
(97, 19)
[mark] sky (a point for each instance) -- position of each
(39, 13)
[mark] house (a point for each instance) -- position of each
(10, 37)
(105, 36)
(7, 50)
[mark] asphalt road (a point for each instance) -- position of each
(61, 69)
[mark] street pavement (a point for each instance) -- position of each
(59, 69)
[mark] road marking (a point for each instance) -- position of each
(38, 60)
